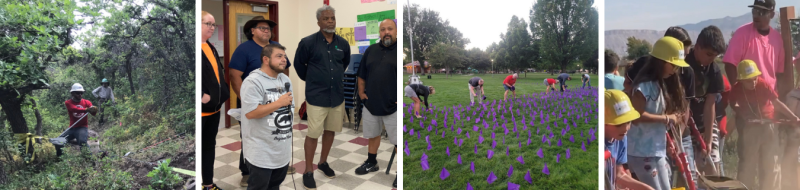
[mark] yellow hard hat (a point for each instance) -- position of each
(670, 50)
(619, 108)
(747, 69)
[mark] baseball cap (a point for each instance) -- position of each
(763, 4)
(670, 50)
(619, 108)
(747, 69)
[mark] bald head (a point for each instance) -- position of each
(388, 31)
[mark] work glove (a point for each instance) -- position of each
(92, 110)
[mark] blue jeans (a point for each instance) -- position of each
(80, 134)
(586, 82)
(689, 149)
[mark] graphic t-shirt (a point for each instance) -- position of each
(266, 141)
(77, 110)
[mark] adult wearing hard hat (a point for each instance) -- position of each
(104, 93)
(78, 108)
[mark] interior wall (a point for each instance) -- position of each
(297, 19)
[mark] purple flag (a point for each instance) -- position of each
(571, 139)
(467, 134)
(459, 158)
(567, 152)
(540, 153)
(529, 141)
(513, 186)
(424, 164)
(475, 128)
(444, 174)
(492, 135)
(411, 132)
(476, 149)
(520, 145)
(545, 170)
(506, 150)
(522, 161)
(458, 131)
(418, 135)
(528, 177)
(494, 144)
(405, 129)
(510, 170)
(469, 187)
(491, 178)
(480, 139)
(489, 154)
(583, 146)
(443, 132)
(407, 151)
(559, 142)
(429, 146)
(558, 156)
(460, 142)
(455, 140)
(472, 167)
(448, 151)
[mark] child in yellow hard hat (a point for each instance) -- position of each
(619, 113)
(657, 94)
(755, 101)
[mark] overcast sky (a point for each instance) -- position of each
(480, 21)
(658, 15)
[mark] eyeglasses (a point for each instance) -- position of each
(760, 12)
(208, 24)
(78, 93)
(262, 28)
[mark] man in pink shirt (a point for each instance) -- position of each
(759, 42)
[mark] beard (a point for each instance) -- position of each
(387, 40)
(277, 68)
(330, 31)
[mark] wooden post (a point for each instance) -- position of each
(788, 173)
(786, 82)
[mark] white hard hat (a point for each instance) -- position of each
(77, 87)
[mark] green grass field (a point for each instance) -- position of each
(580, 171)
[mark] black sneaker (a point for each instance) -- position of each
(326, 170)
(308, 181)
(366, 168)
(212, 187)
(395, 182)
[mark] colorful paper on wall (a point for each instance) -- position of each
(360, 33)
(347, 34)
(362, 49)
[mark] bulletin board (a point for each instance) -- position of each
(367, 31)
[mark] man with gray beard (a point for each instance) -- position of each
(320, 61)
(379, 68)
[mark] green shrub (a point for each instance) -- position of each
(163, 177)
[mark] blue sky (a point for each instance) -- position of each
(659, 15)
(480, 21)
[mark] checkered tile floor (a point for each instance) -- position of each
(349, 151)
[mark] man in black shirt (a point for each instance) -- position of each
(320, 61)
(380, 103)
(415, 91)
(476, 90)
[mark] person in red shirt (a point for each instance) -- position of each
(508, 85)
(755, 101)
(551, 84)
(78, 110)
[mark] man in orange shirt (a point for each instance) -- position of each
(508, 84)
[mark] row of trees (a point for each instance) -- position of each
(560, 34)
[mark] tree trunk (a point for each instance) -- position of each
(447, 72)
(12, 106)
(3, 177)
(422, 67)
(129, 68)
(38, 127)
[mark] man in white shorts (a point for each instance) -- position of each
(379, 67)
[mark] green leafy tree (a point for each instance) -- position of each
(447, 56)
(427, 29)
(567, 30)
(637, 48)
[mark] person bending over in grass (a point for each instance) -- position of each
(562, 80)
(508, 85)
(619, 114)
(753, 99)
(585, 80)
(475, 90)
(658, 97)
(415, 91)
(551, 85)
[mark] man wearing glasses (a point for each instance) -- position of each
(246, 58)
(759, 42)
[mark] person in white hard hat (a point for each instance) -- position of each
(77, 107)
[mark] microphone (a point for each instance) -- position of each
(288, 86)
